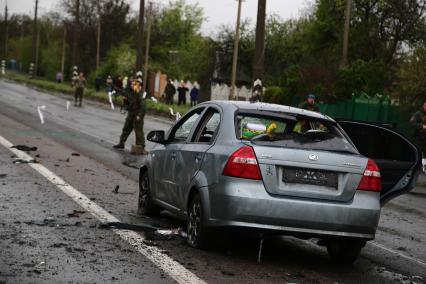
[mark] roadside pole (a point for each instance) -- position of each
(35, 29)
(76, 34)
(6, 36)
(259, 54)
(64, 42)
(148, 42)
(346, 33)
(98, 44)
(235, 57)
(139, 44)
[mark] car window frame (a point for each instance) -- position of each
(202, 121)
(411, 173)
(173, 130)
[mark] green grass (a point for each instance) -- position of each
(89, 93)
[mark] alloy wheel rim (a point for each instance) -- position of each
(194, 223)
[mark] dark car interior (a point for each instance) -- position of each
(393, 154)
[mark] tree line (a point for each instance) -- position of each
(386, 46)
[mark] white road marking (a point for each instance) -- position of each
(418, 261)
(171, 267)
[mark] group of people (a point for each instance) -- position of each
(182, 90)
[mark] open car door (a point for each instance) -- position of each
(399, 160)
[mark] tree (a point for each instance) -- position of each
(410, 85)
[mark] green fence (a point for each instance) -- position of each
(371, 109)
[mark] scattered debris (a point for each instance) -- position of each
(152, 232)
(3, 175)
(128, 164)
(23, 161)
(179, 232)
(124, 226)
(25, 148)
(117, 187)
(68, 105)
(259, 256)
(50, 222)
(76, 214)
(75, 154)
(227, 273)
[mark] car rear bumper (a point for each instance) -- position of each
(246, 204)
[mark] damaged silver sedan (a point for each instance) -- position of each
(277, 169)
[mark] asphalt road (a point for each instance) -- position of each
(44, 240)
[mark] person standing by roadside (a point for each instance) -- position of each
(135, 119)
(170, 92)
(182, 90)
(194, 95)
(59, 77)
(79, 89)
(110, 84)
(309, 103)
(418, 122)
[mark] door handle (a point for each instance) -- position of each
(198, 157)
(173, 155)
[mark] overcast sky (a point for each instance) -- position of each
(218, 12)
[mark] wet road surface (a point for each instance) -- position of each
(41, 243)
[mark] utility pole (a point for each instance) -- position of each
(139, 44)
(98, 42)
(148, 43)
(6, 37)
(37, 47)
(22, 44)
(35, 29)
(236, 47)
(346, 33)
(259, 54)
(76, 34)
(64, 46)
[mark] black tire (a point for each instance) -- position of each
(196, 229)
(344, 252)
(145, 204)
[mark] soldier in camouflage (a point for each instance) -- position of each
(135, 116)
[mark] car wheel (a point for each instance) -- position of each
(196, 230)
(145, 204)
(344, 252)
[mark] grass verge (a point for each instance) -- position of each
(89, 93)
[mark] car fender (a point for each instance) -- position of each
(199, 184)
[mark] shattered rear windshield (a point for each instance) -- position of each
(292, 131)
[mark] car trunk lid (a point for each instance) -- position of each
(312, 174)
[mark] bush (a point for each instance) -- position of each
(277, 95)
(119, 61)
(361, 76)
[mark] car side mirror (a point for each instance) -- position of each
(157, 137)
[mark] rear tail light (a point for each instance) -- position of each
(371, 180)
(243, 164)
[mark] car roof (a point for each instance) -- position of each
(244, 105)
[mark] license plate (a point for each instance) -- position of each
(313, 177)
